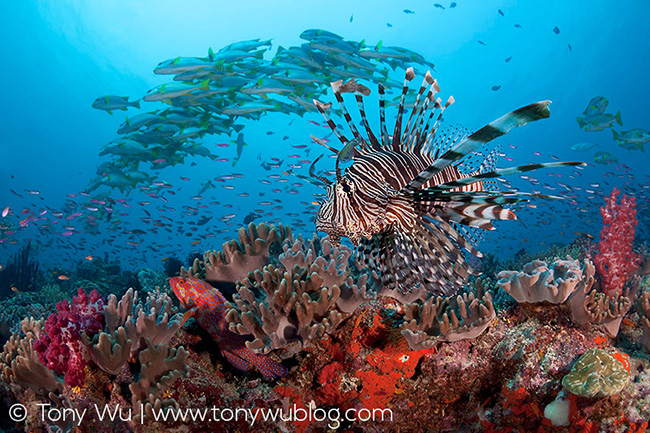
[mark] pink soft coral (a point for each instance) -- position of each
(616, 260)
(59, 347)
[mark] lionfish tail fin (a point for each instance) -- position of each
(499, 127)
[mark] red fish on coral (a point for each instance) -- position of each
(208, 306)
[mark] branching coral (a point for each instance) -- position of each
(642, 306)
(447, 319)
(591, 306)
(116, 313)
(239, 258)
(284, 310)
(110, 352)
(538, 283)
(596, 374)
(331, 263)
(158, 319)
(616, 260)
(20, 365)
(160, 367)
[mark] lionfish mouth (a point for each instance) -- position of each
(410, 200)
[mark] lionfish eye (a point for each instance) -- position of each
(346, 187)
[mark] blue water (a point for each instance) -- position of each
(59, 56)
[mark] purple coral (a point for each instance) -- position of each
(60, 348)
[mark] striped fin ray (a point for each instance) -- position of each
(322, 107)
(364, 119)
(434, 197)
(459, 183)
(499, 127)
(340, 88)
(458, 215)
(445, 141)
(385, 140)
(325, 145)
(453, 234)
(434, 129)
(408, 133)
(418, 144)
(400, 111)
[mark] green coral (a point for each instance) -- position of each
(596, 374)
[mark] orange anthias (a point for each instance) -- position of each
(208, 306)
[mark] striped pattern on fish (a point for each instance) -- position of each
(405, 199)
(208, 306)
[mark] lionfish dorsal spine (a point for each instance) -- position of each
(400, 111)
(338, 87)
(364, 119)
(322, 107)
(385, 141)
(495, 129)
(418, 135)
(409, 133)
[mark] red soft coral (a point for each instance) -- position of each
(616, 260)
(59, 347)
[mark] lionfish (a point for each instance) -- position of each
(406, 202)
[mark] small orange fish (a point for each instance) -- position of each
(89, 258)
(164, 259)
(15, 289)
(63, 277)
(195, 242)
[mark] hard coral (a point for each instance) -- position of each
(596, 374)
(616, 260)
(59, 347)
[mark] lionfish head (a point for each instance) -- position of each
(337, 216)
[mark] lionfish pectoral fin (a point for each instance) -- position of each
(466, 181)
(497, 128)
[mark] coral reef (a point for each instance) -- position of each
(538, 283)
(642, 306)
(238, 258)
(160, 367)
(596, 374)
(456, 318)
(473, 362)
(21, 366)
(157, 319)
(616, 259)
(59, 347)
(284, 310)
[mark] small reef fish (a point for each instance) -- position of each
(5, 212)
(634, 139)
(597, 105)
(579, 147)
(109, 103)
(604, 158)
(63, 277)
(208, 306)
(599, 122)
(240, 147)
